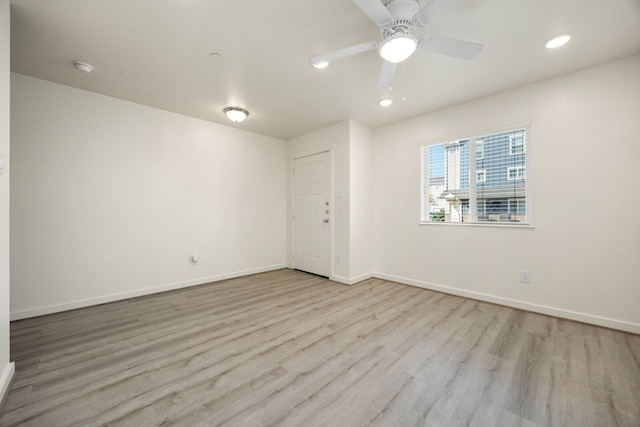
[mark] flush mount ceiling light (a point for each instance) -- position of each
(398, 47)
(385, 102)
(82, 67)
(236, 114)
(558, 41)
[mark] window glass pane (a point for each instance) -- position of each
(516, 144)
(479, 149)
(499, 185)
(434, 205)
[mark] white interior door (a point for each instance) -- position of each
(311, 214)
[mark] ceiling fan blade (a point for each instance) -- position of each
(435, 10)
(342, 53)
(450, 47)
(386, 74)
(375, 10)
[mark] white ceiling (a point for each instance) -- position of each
(157, 53)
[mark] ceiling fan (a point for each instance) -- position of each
(397, 21)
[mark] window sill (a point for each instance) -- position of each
(478, 224)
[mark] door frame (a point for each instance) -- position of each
(291, 206)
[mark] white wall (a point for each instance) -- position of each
(585, 244)
(361, 200)
(6, 368)
(110, 199)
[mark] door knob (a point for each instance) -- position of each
(326, 220)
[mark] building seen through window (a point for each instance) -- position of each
(496, 194)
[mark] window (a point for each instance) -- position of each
(517, 206)
(499, 192)
(516, 144)
(482, 207)
(479, 149)
(517, 172)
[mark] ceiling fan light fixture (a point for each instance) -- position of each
(398, 47)
(319, 62)
(558, 41)
(236, 114)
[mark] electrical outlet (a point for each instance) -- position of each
(525, 277)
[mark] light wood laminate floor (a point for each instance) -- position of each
(288, 348)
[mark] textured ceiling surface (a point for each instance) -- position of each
(158, 53)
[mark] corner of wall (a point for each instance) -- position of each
(361, 201)
(6, 379)
(6, 369)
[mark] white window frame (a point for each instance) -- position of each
(483, 173)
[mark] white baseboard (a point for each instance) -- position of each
(55, 308)
(353, 280)
(552, 311)
(536, 308)
(5, 381)
(360, 278)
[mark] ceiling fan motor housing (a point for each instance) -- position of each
(403, 12)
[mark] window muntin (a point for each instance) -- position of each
(499, 192)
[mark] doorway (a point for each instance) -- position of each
(311, 214)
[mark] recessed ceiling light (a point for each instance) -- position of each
(558, 41)
(82, 67)
(385, 102)
(236, 114)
